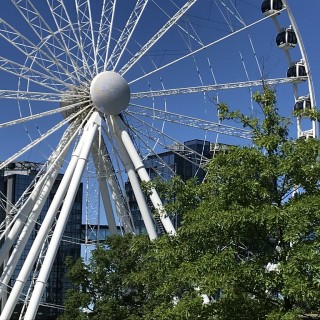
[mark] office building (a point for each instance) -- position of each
(170, 163)
(14, 180)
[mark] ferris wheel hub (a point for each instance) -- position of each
(110, 92)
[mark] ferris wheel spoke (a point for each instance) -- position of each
(215, 87)
(68, 36)
(93, 44)
(43, 31)
(157, 37)
(40, 139)
(166, 141)
(180, 119)
(76, 64)
(110, 31)
(196, 51)
(103, 33)
(229, 11)
(159, 162)
(177, 148)
(29, 49)
(37, 96)
(30, 74)
(236, 12)
(86, 33)
(126, 33)
(186, 32)
(43, 114)
(103, 29)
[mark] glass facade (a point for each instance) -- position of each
(167, 165)
(14, 183)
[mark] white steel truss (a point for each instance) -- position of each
(53, 57)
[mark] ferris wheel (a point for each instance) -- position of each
(96, 88)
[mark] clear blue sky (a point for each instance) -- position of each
(305, 11)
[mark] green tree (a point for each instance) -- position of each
(249, 238)
(103, 288)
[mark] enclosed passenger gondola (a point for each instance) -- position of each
(302, 104)
(270, 7)
(297, 70)
(286, 38)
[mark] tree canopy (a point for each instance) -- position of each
(247, 247)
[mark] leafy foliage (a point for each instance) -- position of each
(311, 113)
(248, 242)
(104, 288)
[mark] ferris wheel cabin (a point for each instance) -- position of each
(297, 70)
(286, 38)
(303, 104)
(270, 7)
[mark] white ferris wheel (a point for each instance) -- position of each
(96, 87)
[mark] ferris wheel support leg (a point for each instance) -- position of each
(315, 129)
(25, 234)
(54, 165)
(20, 222)
(108, 172)
(89, 133)
(32, 207)
(3, 285)
(41, 235)
(142, 172)
(135, 184)
(105, 195)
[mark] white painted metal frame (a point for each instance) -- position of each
(314, 124)
(106, 174)
(61, 60)
(85, 146)
(121, 133)
(103, 188)
(45, 227)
